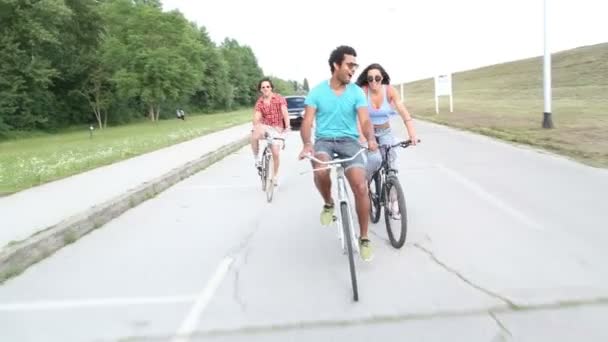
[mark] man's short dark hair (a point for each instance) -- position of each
(337, 56)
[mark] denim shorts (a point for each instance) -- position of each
(384, 136)
(345, 148)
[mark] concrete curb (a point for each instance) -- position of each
(17, 257)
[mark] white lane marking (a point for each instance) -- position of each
(189, 324)
(92, 302)
(491, 198)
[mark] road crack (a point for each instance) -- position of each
(242, 251)
(237, 293)
(465, 279)
(505, 334)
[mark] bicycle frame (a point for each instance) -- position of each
(266, 153)
(269, 140)
(268, 147)
(343, 197)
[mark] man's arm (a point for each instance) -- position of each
(306, 128)
(285, 116)
(362, 138)
(257, 118)
(366, 125)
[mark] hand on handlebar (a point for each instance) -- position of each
(306, 151)
(408, 142)
(372, 145)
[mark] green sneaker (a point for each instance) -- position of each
(327, 215)
(365, 249)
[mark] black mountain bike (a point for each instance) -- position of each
(384, 188)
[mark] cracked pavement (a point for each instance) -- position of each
(504, 244)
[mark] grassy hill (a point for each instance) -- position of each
(506, 101)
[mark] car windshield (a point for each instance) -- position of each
(295, 102)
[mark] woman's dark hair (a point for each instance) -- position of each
(362, 79)
(337, 56)
(265, 79)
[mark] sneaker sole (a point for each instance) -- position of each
(368, 260)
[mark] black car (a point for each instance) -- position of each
(295, 107)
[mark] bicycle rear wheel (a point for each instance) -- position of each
(396, 232)
(269, 173)
(349, 249)
(374, 198)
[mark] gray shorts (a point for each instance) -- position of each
(344, 147)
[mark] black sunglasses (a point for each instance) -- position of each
(370, 79)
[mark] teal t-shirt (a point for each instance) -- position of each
(336, 116)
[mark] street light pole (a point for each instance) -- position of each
(547, 120)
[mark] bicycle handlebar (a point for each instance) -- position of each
(335, 161)
(403, 144)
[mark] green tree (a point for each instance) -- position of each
(30, 31)
(214, 91)
(243, 71)
(159, 60)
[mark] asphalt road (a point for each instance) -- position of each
(505, 244)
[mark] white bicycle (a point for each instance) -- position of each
(266, 169)
(346, 228)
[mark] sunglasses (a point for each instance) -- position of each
(352, 65)
(371, 79)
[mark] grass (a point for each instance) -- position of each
(506, 101)
(36, 160)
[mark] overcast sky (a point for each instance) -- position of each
(412, 39)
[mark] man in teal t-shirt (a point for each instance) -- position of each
(336, 104)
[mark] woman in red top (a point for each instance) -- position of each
(270, 116)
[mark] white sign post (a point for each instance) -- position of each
(443, 86)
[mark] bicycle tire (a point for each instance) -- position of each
(349, 248)
(393, 181)
(374, 203)
(262, 171)
(269, 184)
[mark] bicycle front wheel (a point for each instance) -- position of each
(269, 173)
(349, 248)
(262, 171)
(396, 230)
(374, 198)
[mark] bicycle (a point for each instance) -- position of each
(385, 179)
(266, 168)
(346, 234)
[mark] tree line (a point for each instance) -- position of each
(71, 62)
